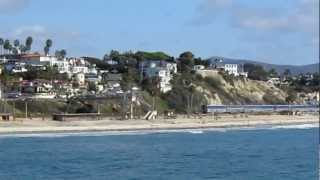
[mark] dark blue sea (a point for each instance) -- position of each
(266, 154)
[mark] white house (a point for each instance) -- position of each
(38, 59)
(15, 66)
(92, 69)
(164, 71)
(235, 69)
(274, 81)
(78, 69)
(198, 67)
(62, 65)
(19, 67)
(77, 65)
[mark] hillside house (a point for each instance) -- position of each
(274, 81)
(161, 69)
(37, 89)
(78, 65)
(235, 69)
(15, 66)
(198, 67)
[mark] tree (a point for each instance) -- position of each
(46, 50)
(287, 73)
(186, 61)
(28, 44)
(57, 53)
(139, 56)
(63, 53)
(292, 96)
(7, 46)
(255, 72)
(15, 51)
(106, 57)
(142, 55)
(48, 46)
(1, 44)
(187, 55)
(114, 55)
(16, 43)
(273, 73)
(216, 62)
(22, 48)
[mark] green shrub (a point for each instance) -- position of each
(213, 82)
(199, 77)
(270, 98)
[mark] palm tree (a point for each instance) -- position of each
(7, 45)
(1, 44)
(29, 41)
(287, 73)
(11, 48)
(60, 54)
(216, 61)
(16, 44)
(46, 50)
(47, 47)
(63, 53)
(15, 50)
(22, 48)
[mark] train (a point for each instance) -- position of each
(258, 108)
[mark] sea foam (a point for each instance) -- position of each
(164, 131)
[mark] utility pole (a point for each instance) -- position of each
(141, 73)
(131, 109)
(14, 110)
(132, 98)
(98, 108)
(5, 105)
(123, 106)
(26, 108)
(153, 103)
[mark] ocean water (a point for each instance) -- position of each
(275, 153)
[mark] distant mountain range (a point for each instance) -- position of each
(295, 69)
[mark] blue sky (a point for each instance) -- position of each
(273, 31)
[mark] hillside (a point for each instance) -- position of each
(220, 88)
(295, 69)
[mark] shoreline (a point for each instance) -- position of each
(159, 130)
(106, 125)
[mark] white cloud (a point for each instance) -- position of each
(303, 17)
(12, 6)
(42, 32)
(30, 30)
(290, 31)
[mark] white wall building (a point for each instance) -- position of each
(198, 67)
(165, 73)
(78, 69)
(62, 65)
(274, 81)
(77, 65)
(235, 69)
(48, 59)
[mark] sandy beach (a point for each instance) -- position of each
(38, 125)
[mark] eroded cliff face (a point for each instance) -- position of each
(241, 91)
